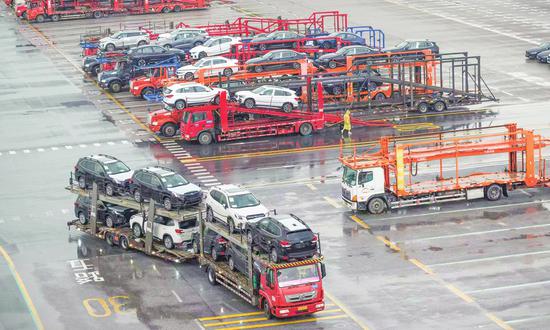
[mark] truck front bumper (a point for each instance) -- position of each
(285, 312)
(350, 204)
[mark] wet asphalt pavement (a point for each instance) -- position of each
(453, 266)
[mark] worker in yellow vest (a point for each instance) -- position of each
(346, 131)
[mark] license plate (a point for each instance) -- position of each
(310, 43)
(302, 308)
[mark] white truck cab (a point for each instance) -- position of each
(364, 189)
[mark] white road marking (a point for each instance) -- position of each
(333, 202)
(201, 176)
(505, 92)
(199, 170)
(82, 146)
(212, 184)
(54, 148)
(528, 319)
(489, 258)
(209, 180)
(110, 143)
(40, 149)
(192, 164)
(506, 287)
(311, 186)
(177, 297)
(26, 151)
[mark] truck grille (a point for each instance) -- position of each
(254, 216)
(292, 298)
(346, 194)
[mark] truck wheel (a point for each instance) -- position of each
(81, 182)
(227, 72)
(137, 196)
(98, 14)
(177, 9)
(205, 138)
(274, 256)
(287, 107)
(306, 129)
(439, 106)
(82, 218)
(180, 104)
(493, 192)
(109, 190)
(168, 129)
(110, 47)
(212, 276)
(136, 229)
(231, 263)
(115, 87)
(124, 242)
(109, 221)
(189, 76)
(376, 205)
(196, 247)
(40, 19)
(267, 310)
(109, 239)
(165, 10)
(380, 97)
(249, 103)
(147, 91)
(214, 253)
(423, 107)
(96, 70)
(167, 203)
(55, 18)
(258, 69)
(202, 55)
(168, 242)
(332, 64)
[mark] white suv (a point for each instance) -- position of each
(124, 39)
(171, 232)
(269, 96)
(233, 206)
(210, 66)
(182, 95)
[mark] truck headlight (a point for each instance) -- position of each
(155, 123)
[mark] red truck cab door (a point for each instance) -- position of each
(193, 123)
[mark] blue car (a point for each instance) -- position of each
(351, 38)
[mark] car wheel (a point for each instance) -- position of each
(109, 221)
(168, 242)
(332, 64)
(217, 99)
(227, 72)
(326, 45)
(109, 239)
(180, 104)
(231, 263)
(168, 129)
(202, 55)
(231, 224)
(147, 91)
(110, 47)
(296, 65)
(205, 138)
(167, 46)
(98, 14)
(423, 107)
(197, 43)
(439, 106)
(274, 256)
(294, 45)
(267, 310)
(81, 182)
(196, 247)
(287, 107)
(263, 47)
(165, 10)
(376, 205)
(141, 43)
(493, 192)
(55, 18)
(115, 87)
(136, 229)
(306, 129)
(82, 218)
(141, 62)
(167, 203)
(96, 69)
(380, 97)
(249, 103)
(137, 196)
(109, 190)
(124, 242)
(177, 9)
(189, 76)
(209, 214)
(214, 253)
(337, 90)
(258, 69)
(212, 276)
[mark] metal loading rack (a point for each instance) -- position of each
(124, 236)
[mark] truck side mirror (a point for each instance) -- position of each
(323, 270)
(269, 278)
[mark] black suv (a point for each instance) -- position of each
(214, 244)
(237, 258)
(111, 175)
(111, 215)
(115, 80)
(150, 54)
(284, 237)
(164, 186)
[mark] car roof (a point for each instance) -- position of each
(186, 84)
(231, 189)
(162, 171)
(215, 58)
(277, 87)
(290, 223)
(104, 158)
(126, 31)
(416, 40)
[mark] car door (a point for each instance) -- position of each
(121, 41)
(217, 66)
(159, 227)
(89, 171)
(204, 94)
(180, 40)
(157, 189)
(225, 45)
(101, 175)
(188, 93)
(279, 97)
(264, 98)
(241, 260)
(279, 41)
(274, 62)
(145, 185)
(261, 233)
(214, 48)
(216, 205)
(159, 53)
(206, 69)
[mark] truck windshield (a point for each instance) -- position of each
(297, 275)
(116, 167)
(350, 176)
(186, 117)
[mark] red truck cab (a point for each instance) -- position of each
(151, 83)
(165, 122)
(293, 289)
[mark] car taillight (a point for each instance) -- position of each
(179, 231)
(221, 240)
(284, 244)
(168, 96)
(314, 239)
(297, 98)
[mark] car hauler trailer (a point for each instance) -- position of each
(263, 285)
(376, 181)
(123, 236)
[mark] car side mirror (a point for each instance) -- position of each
(225, 206)
(323, 270)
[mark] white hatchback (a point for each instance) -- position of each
(171, 232)
(210, 67)
(182, 95)
(269, 96)
(214, 46)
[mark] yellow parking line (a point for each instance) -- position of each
(459, 293)
(228, 316)
(259, 319)
(360, 222)
(498, 321)
(35, 317)
(422, 266)
(311, 186)
(278, 324)
(346, 310)
(333, 202)
(388, 243)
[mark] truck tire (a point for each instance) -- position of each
(40, 19)
(287, 107)
(110, 47)
(81, 182)
(337, 90)
(205, 138)
(136, 229)
(177, 9)
(380, 97)
(376, 205)
(109, 221)
(296, 66)
(55, 18)
(267, 310)
(96, 69)
(212, 276)
(123, 241)
(493, 192)
(249, 103)
(109, 190)
(141, 62)
(274, 256)
(98, 14)
(216, 100)
(306, 129)
(115, 87)
(332, 64)
(147, 91)
(168, 242)
(439, 106)
(167, 203)
(82, 218)
(214, 253)
(423, 107)
(189, 76)
(262, 47)
(165, 10)
(180, 104)
(168, 129)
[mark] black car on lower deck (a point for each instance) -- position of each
(283, 237)
(237, 258)
(338, 58)
(275, 60)
(338, 86)
(111, 215)
(532, 53)
(214, 244)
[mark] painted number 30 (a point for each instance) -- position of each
(99, 307)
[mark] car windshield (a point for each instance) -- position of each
(116, 35)
(115, 167)
(199, 63)
(545, 45)
(341, 50)
(350, 176)
(209, 42)
(402, 44)
(243, 200)
(259, 90)
(297, 275)
(173, 180)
